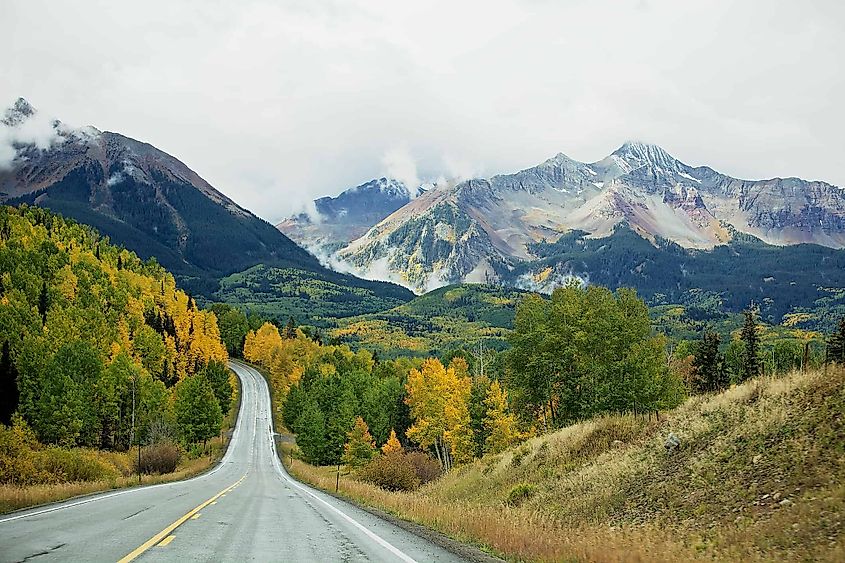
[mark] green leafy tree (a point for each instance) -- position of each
(198, 414)
(218, 376)
(751, 356)
(234, 327)
(311, 432)
(587, 351)
(63, 410)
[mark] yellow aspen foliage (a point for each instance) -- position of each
(438, 399)
(259, 345)
(499, 422)
(459, 434)
(392, 446)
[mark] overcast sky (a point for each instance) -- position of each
(276, 103)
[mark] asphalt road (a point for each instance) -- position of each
(246, 509)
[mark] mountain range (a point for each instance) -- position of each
(155, 205)
(483, 229)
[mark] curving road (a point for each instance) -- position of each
(246, 509)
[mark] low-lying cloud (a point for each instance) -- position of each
(38, 130)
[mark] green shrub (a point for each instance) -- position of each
(393, 472)
(159, 458)
(520, 493)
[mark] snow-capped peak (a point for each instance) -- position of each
(392, 187)
(19, 112)
(637, 154)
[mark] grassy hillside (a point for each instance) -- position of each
(758, 476)
(447, 318)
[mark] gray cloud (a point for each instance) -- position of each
(276, 103)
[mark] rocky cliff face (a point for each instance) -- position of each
(479, 230)
(336, 221)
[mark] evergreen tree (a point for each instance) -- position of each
(836, 345)
(289, 331)
(710, 374)
(751, 340)
(119, 262)
(9, 394)
(43, 303)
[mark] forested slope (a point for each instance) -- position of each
(89, 331)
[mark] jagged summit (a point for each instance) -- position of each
(18, 112)
(637, 154)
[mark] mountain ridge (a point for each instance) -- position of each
(155, 205)
(483, 227)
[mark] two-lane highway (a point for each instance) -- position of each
(247, 508)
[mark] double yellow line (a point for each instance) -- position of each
(166, 532)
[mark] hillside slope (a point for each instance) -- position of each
(154, 205)
(758, 476)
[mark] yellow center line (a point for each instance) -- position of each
(195, 516)
(166, 532)
(166, 541)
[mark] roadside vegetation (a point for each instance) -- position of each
(758, 475)
(590, 438)
(101, 354)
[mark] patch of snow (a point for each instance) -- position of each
(591, 171)
(599, 185)
(687, 176)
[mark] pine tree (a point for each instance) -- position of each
(119, 262)
(9, 394)
(750, 357)
(43, 303)
(710, 373)
(289, 331)
(836, 345)
(360, 446)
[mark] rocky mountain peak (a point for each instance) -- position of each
(19, 112)
(636, 154)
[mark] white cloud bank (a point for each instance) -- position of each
(276, 103)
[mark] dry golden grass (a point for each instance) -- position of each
(759, 476)
(14, 498)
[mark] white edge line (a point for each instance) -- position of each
(277, 464)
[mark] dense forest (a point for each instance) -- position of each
(781, 280)
(99, 349)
